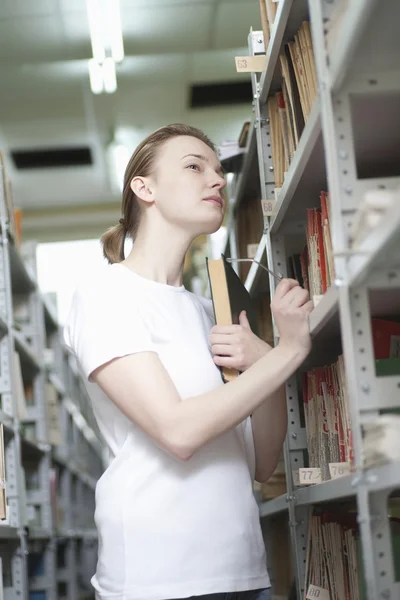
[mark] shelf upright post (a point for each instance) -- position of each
(355, 314)
(37, 333)
(13, 447)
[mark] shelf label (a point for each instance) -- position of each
(317, 593)
(268, 208)
(252, 250)
(339, 469)
(251, 64)
(308, 476)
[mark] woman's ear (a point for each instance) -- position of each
(141, 187)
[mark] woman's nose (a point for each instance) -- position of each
(220, 182)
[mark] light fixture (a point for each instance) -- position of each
(104, 18)
(115, 30)
(96, 30)
(96, 76)
(109, 75)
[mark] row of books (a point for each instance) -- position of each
(327, 417)
(314, 267)
(289, 108)
(326, 409)
(334, 567)
(268, 10)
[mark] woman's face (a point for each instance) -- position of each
(188, 185)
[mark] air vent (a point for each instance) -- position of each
(218, 94)
(47, 158)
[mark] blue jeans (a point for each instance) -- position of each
(264, 594)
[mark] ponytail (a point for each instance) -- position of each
(113, 241)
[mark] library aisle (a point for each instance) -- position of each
(302, 98)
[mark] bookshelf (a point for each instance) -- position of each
(52, 450)
(353, 122)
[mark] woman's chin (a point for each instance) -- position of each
(210, 228)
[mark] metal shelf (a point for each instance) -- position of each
(38, 448)
(248, 173)
(348, 128)
(272, 507)
(87, 534)
(7, 421)
(29, 362)
(3, 327)
(8, 533)
(58, 384)
(379, 250)
(50, 314)
(326, 314)
(335, 489)
(383, 478)
(22, 280)
(369, 41)
(306, 175)
(39, 533)
(289, 16)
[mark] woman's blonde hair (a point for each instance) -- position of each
(141, 164)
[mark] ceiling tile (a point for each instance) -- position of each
(33, 38)
(159, 67)
(233, 21)
(171, 29)
(17, 8)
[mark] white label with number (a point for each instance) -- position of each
(250, 64)
(268, 208)
(309, 476)
(339, 469)
(317, 593)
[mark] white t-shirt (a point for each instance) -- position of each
(167, 528)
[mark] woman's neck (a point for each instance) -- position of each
(159, 255)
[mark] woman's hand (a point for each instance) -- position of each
(236, 346)
(291, 307)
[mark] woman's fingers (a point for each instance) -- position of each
(222, 349)
(296, 296)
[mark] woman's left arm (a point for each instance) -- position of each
(242, 348)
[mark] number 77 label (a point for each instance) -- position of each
(308, 476)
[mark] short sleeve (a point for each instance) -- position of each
(104, 323)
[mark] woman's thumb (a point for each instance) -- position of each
(243, 320)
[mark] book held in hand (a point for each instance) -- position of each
(230, 298)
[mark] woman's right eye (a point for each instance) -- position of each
(195, 167)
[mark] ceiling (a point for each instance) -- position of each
(46, 101)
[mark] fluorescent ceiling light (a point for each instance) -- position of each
(96, 29)
(109, 75)
(115, 30)
(96, 76)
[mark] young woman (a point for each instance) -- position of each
(175, 510)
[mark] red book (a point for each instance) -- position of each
(386, 338)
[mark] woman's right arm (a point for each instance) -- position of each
(142, 389)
